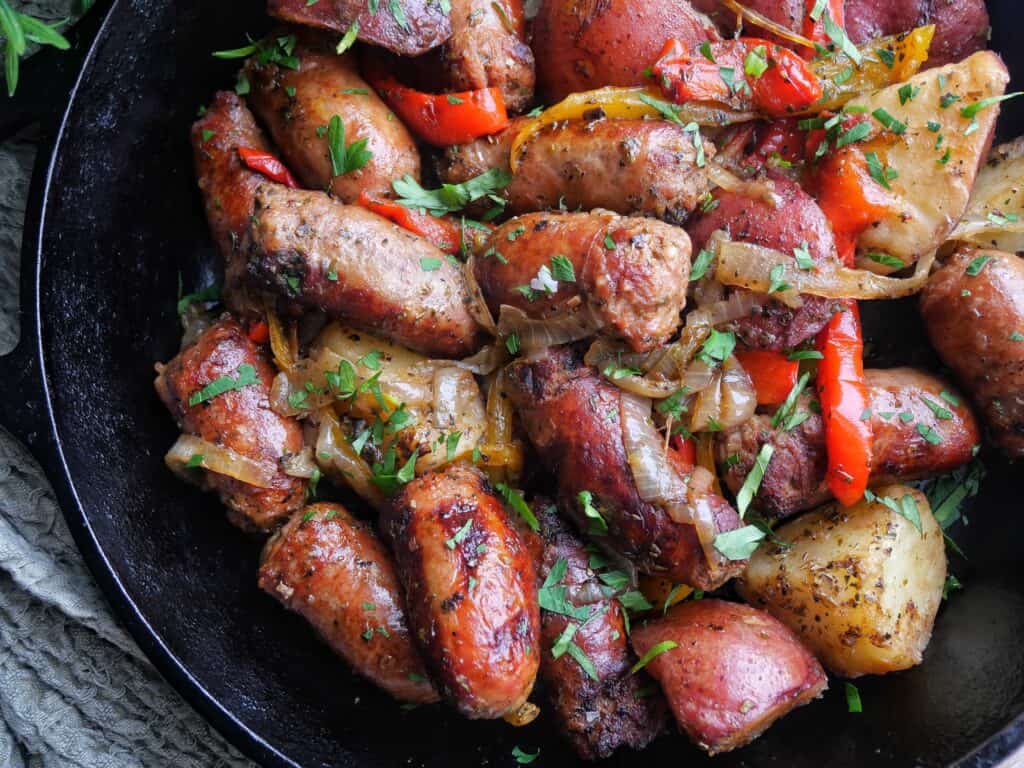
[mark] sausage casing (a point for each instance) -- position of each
(572, 417)
(239, 419)
(333, 571)
(976, 324)
(631, 273)
(297, 105)
(360, 268)
(471, 590)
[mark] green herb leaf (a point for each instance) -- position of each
(430, 264)
(973, 109)
(515, 500)
(209, 293)
(952, 584)
(740, 543)
(803, 256)
(652, 653)
(562, 270)
(196, 460)
(756, 62)
(837, 35)
(886, 260)
(598, 525)
(853, 698)
(581, 658)
(667, 110)
(450, 197)
(345, 159)
(521, 757)
(855, 133)
(460, 535)
(890, 122)
(777, 283)
(804, 354)
(785, 411)
(717, 347)
(246, 377)
(977, 264)
(349, 38)
(701, 264)
(705, 51)
(753, 480)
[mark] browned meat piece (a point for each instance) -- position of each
(908, 415)
(601, 715)
(356, 266)
(796, 222)
(734, 671)
(333, 571)
(976, 323)
(408, 27)
(297, 105)
(228, 186)
(585, 44)
(488, 49)
(788, 13)
(572, 417)
(240, 420)
(634, 289)
(471, 589)
(627, 166)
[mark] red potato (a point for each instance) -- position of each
(332, 570)
(471, 589)
(733, 672)
(585, 44)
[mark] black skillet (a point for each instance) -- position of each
(115, 222)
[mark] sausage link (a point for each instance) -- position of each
(572, 417)
(227, 185)
(488, 49)
(297, 105)
(976, 324)
(627, 166)
(240, 420)
(333, 571)
(471, 589)
(358, 267)
(598, 715)
(910, 439)
(631, 273)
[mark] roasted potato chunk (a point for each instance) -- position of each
(860, 585)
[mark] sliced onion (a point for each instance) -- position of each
(663, 371)
(537, 335)
(486, 361)
(194, 321)
(739, 305)
(217, 458)
(339, 461)
(730, 400)
(300, 464)
(526, 713)
(756, 190)
(706, 459)
(478, 305)
(760, 20)
(745, 265)
(446, 396)
(283, 345)
(995, 213)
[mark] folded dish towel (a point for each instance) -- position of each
(75, 690)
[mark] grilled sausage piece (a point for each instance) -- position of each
(227, 185)
(488, 49)
(326, 85)
(797, 222)
(601, 715)
(356, 266)
(975, 323)
(471, 589)
(332, 570)
(917, 432)
(627, 166)
(630, 274)
(733, 672)
(408, 28)
(240, 420)
(572, 417)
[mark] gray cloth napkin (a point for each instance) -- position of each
(75, 690)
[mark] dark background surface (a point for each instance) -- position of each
(116, 219)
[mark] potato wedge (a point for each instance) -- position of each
(935, 177)
(860, 585)
(732, 672)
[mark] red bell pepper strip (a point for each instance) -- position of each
(259, 332)
(443, 232)
(444, 119)
(686, 448)
(844, 405)
(773, 374)
(815, 30)
(747, 73)
(268, 165)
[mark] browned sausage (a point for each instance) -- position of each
(634, 289)
(356, 266)
(572, 417)
(471, 589)
(598, 715)
(333, 571)
(407, 27)
(627, 166)
(228, 187)
(733, 672)
(902, 424)
(976, 323)
(797, 221)
(297, 105)
(488, 49)
(240, 420)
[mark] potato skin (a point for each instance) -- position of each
(736, 670)
(333, 571)
(859, 585)
(585, 44)
(320, 83)
(635, 289)
(472, 602)
(240, 420)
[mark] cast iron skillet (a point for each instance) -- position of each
(114, 220)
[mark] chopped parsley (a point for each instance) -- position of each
(562, 269)
(717, 347)
(450, 197)
(345, 159)
(515, 500)
(246, 377)
(460, 535)
(853, 703)
(598, 526)
(753, 480)
(349, 38)
(701, 264)
(740, 543)
(653, 652)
